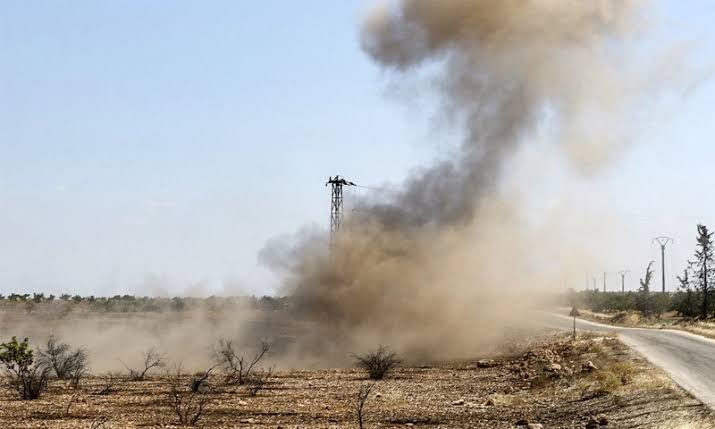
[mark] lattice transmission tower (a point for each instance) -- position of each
(336, 207)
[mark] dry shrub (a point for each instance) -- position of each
(624, 370)
(151, 359)
(67, 364)
(606, 382)
(360, 401)
(611, 378)
(236, 368)
(189, 405)
(71, 401)
(377, 363)
(200, 380)
(108, 385)
(258, 381)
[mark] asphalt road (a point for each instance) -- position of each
(688, 359)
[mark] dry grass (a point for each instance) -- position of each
(632, 319)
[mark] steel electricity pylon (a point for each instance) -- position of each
(336, 207)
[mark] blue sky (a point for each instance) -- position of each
(154, 147)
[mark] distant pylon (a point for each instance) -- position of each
(623, 279)
(662, 242)
(336, 207)
(604, 281)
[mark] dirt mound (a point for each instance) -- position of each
(627, 318)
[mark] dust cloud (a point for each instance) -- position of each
(449, 263)
(116, 340)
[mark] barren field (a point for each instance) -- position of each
(547, 382)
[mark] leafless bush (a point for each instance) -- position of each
(30, 383)
(188, 405)
(237, 369)
(200, 380)
(377, 363)
(109, 382)
(71, 401)
(152, 359)
(258, 381)
(67, 364)
(361, 399)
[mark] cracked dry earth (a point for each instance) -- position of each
(595, 382)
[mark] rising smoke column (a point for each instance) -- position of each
(431, 268)
(504, 65)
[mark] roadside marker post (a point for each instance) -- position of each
(574, 312)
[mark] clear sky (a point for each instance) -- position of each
(154, 147)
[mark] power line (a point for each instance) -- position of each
(372, 188)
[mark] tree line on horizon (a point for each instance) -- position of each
(694, 298)
(130, 303)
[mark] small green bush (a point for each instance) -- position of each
(28, 379)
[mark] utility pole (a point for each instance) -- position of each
(336, 207)
(604, 281)
(623, 280)
(662, 241)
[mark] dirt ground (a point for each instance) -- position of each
(547, 381)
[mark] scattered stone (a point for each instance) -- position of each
(458, 402)
(486, 363)
(535, 426)
(554, 367)
(522, 422)
(594, 422)
(588, 366)
(490, 402)
(378, 395)
(242, 402)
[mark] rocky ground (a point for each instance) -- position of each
(550, 382)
